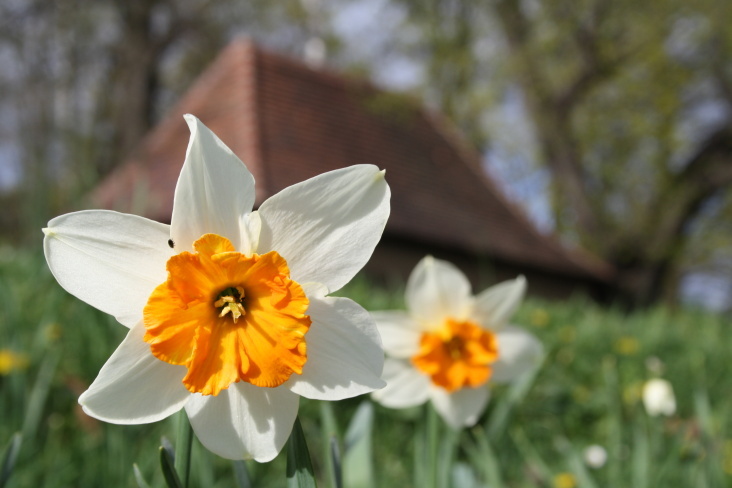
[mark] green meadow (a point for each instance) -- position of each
(534, 433)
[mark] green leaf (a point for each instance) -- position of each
(299, 468)
(184, 442)
(139, 479)
(483, 458)
(335, 459)
(10, 457)
(502, 412)
(358, 466)
(331, 448)
(167, 463)
(241, 474)
(39, 393)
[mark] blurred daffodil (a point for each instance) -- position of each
(449, 346)
(658, 397)
(227, 307)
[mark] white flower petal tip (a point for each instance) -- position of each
(134, 387)
(461, 408)
(437, 290)
(214, 190)
(328, 226)
(245, 421)
(658, 398)
(495, 306)
(110, 260)
(405, 386)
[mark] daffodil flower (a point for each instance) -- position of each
(227, 307)
(450, 346)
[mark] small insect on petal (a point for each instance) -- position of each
(171, 243)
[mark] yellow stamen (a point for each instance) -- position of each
(458, 355)
(228, 317)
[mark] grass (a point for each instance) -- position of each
(533, 434)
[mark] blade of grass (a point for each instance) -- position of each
(299, 467)
(10, 457)
(184, 441)
(331, 449)
(531, 456)
(358, 465)
(576, 464)
(483, 458)
(335, 461)
(448, 451)
(241, 474)
(167, 463)
(39, 394)
(139, 479)
(498, 420)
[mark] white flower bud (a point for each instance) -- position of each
(658, 397)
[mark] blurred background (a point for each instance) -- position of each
(608, 122)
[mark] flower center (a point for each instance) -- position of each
(458, 355)
(228, 317)
(231, 301)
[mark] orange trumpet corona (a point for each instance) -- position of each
(458, 355)
(228, 317)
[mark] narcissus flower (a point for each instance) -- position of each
(227, 307)
(450, 346)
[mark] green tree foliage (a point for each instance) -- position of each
(82, 82)
(628, 105)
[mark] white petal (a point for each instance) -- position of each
(405, 386)
(112, 261)
(244, 421)
(250, 225)
(327, 227)
(437, 290)
(400, 334)
(314, 290)
(345, 358)
(214, 190)
(461, 408)
(494, 307)
(518, 353)
(135, 387)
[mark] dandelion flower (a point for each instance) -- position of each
(12, 361)
(658, 397)
(450, 346)
(565, 480)
(227, 307)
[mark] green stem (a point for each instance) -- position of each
(433, 444)
(184, 440)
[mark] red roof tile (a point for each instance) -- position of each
(289, 122)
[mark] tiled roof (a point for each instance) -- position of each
(289, 122)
